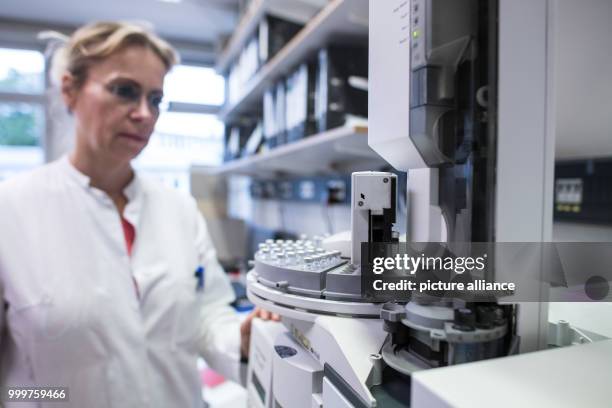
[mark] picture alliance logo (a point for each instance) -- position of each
(412, 265)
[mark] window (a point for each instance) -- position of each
(22, 71)
(21, 124)
(22, 110)
(191, 84)
(187, 132)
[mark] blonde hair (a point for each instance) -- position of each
(96, 41)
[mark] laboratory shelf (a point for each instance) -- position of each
(293, 10)
(342, 149)
(339, 19)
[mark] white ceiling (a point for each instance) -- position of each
(200, 21)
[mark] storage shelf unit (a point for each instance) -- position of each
(294, 10)
(339, 18)
(246, 27)
(337, 150)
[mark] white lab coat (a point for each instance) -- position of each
(72, 317)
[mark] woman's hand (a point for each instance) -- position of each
(245, 328)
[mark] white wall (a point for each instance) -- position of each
(583, 78)
(595, 317)
(583, 85)
(576, 232)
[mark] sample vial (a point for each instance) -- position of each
(290, 257)
(264, 254)
(308, 263)
(273, 259)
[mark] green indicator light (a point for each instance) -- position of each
(415, 34)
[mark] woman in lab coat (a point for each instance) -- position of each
(109, 282)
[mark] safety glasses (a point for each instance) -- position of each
(130, 92)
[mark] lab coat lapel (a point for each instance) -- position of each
(135, 196)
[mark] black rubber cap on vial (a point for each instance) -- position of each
(486, 316)
(465, 319)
